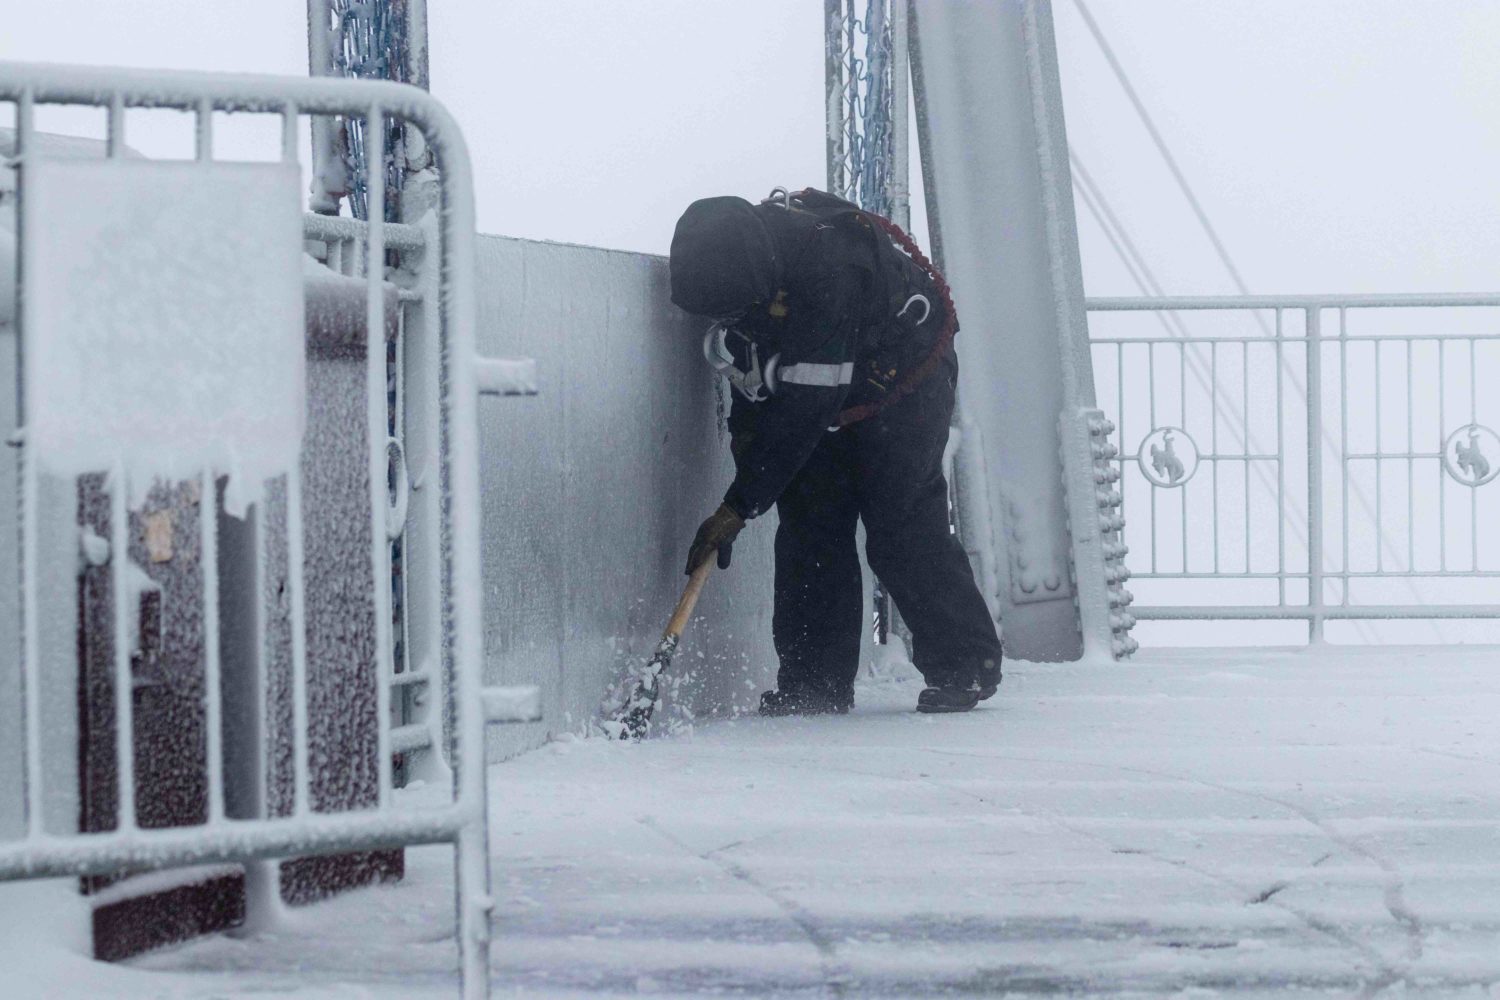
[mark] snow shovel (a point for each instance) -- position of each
(627, 718)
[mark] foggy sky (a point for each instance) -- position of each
(1345, 145)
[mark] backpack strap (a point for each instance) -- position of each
(832, 209)
(945, 335)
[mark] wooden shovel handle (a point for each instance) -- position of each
(689, 597)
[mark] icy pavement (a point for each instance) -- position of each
(1266, 823)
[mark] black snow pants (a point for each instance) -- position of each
(887, 470)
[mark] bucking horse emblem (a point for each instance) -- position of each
(1470, 458)
(1165, 461)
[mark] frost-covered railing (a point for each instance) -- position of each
(440, 390)
(1309, 457)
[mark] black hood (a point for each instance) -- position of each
(723, 258)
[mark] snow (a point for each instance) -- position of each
(1195, 823)
(172, 299)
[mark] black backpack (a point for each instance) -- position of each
(913, 292)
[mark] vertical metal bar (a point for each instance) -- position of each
(119, 564)
(472, 872)
(296, 577)
(24, 115)
(115, 127)
(1213, 465)
(460, 591)
(1120, 423)
(1151, 397)
(1411, 471)
(1442, 457)
(208, 518)
(1473, 388)
(262, 877)
(327, 189)
(1182, 411)
(1245, 409)
(289, 132)
(1314, 326)
(1344, 446)
(31, 674)
(1280, 465)
(1379, 466)
(900, 179)
(417, 70)
(850, 109)
(401, 620)
(833, 89)
(204, 131)
(1473, 491)
(31, 642)
(375, 387)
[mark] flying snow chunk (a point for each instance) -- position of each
(163, 319)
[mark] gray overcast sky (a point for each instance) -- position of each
(1338, 145)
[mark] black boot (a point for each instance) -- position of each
(804, 701)
(950, 699)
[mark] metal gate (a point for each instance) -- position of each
(1306, 457)
(439, 513)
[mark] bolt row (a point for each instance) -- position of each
(1112, 522)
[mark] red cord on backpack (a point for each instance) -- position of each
(945, 336)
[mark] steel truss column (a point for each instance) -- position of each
(866, 103)
(364, 40)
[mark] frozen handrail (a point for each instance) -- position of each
(1408, 300)
(449, 429)
(1346, 472)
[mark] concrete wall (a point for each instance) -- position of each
(593, 489)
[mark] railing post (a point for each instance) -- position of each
(1314, 319)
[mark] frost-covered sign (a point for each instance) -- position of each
(163, 318)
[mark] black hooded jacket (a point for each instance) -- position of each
(811, 290)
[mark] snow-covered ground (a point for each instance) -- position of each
(1284, 823)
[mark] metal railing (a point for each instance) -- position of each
(440, 381)
(1312, 457)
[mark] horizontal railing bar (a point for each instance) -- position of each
(1355, 301)
(1353, 338)
(1328, 574)
(1214, 457)
(95, 854)
(1371, 574)
(1206, 457)
(1403, 455)
(1398, 338)
(408, 678)
(405, 739)
(1303, 612)
(1216, 339)
(398, 235)
(98, 86)
(1165, 575)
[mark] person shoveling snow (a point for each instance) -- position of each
(837, 336)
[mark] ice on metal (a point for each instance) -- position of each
(171, 300)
